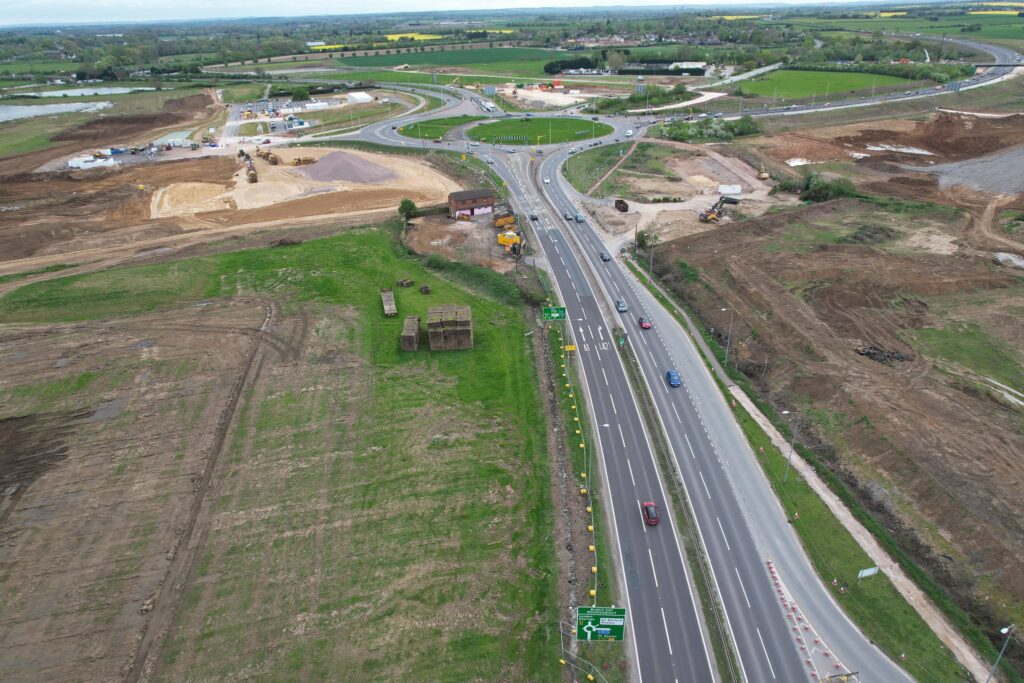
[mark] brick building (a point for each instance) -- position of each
(470, 202)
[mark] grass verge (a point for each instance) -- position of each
(583, 169)
(545, 131)
(436, 128)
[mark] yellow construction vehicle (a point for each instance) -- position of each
(507, 239)
(303, 161)
(273, 159)
(715, 213)
(762, 174)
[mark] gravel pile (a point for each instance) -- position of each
(1000, 172)
(344, 166)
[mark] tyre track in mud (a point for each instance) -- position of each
(167, 598)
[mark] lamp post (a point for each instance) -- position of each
(728, 339)
(792, 445)
(1006, 631)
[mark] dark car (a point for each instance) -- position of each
(568, 215)
(673, 378)
(651, 516)
(533, 217)
(644, 322)
(605, 256)
(620, 306)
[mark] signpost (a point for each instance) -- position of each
(864, 573)
(554, 313)
(600, 623)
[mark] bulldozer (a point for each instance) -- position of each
(303, 161)
(715, 213)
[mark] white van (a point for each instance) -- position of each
(629, 133)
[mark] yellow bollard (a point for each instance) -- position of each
(570, 394)
(583, 492)
(583, 474)
(575, 419)
(590, 677)
(593, 548)
(562, 662)
(593, 593)
(593, 570)
(590, 528)
(589, 509)
(583, 445)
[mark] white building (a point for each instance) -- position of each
(358, 98)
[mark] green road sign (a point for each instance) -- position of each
(554, 313)
(600, 623)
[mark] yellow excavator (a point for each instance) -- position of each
(715, 213)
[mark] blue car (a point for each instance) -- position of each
(673, 378)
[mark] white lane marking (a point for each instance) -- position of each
(591, 331)
(765, 650)
(720, 528)
(652, 356)
(599, 334)
(676, 412)
(622, 436)
(705, 484)
(741, 586)
(613, 404)
(652, 571)
(669, 640)
(578, 299)
(605, 377)
(643, 524)
(692, 455)
(630, 472)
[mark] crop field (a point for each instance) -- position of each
(240, 93)
(521, 131)
(385, 76)
(436, 128)
(1007, 29)
(514, 61)
(39, 66)
(805, 84)
(370, 514)
(413, 36)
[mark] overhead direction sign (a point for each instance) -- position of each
(554, 313)
(600, 623)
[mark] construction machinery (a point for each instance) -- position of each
(508, 239)
(762, 174)
(715, 213)
(621, 205)
(303, 161)
(273, 159)
(207, 139)
(251, 171)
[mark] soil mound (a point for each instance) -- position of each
(175, 111)
(344, 166)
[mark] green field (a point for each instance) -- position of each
(516, 61)
(544, 131)
(583, 169)
(1005, 29)
(385, 76)
(436, 128)
(787, 84)
(39, 66)
(240, 93)
(389, 512)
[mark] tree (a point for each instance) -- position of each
(300, 94)
(406, 208)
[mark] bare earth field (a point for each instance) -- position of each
(931, 442)
(78, 216)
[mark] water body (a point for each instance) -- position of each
(10, 112)
(82, 92)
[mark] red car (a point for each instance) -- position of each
(651, 514)
(645, 323)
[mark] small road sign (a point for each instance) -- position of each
(600, 623)
(554, 313)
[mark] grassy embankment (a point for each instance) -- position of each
(785, 84)
(436, 128)
(513, 61)
(429, 499)
(544, 131)
(583, 169)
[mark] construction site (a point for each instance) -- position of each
(890, 324)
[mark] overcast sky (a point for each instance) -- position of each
(13, 12)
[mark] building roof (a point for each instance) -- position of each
(480, 193)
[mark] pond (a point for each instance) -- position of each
(13, 112)
(82, 92)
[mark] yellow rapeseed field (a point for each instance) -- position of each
(415, 36)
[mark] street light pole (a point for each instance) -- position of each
(728, 339)
(792, 445)
(1006, 631)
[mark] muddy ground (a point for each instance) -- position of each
(75, 216)
(931, 445)
(473, 241)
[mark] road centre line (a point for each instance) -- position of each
(605, 375)
(676, 412)
(771, 669)
(729, 547)
(692, 454)
(655, 574)
(612, 399)
(741, 586)
(621, 436)
(669, 640)
(705, 484)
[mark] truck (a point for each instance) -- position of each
(387, 298)
(621, 205)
